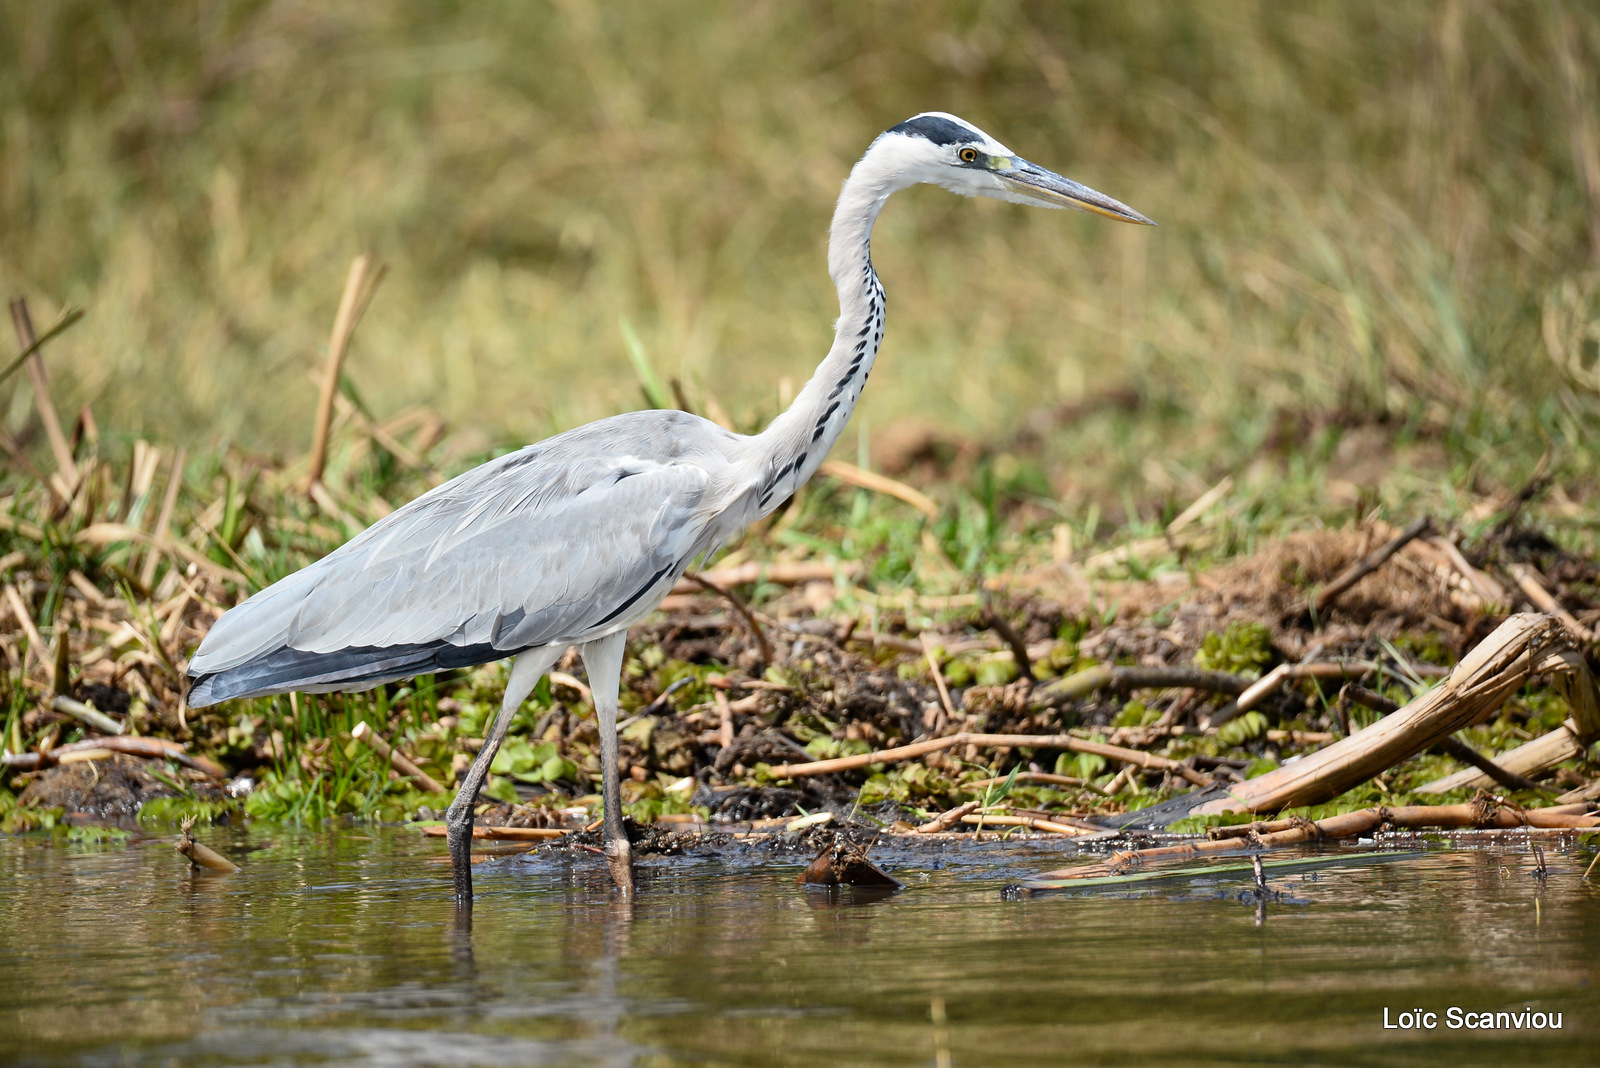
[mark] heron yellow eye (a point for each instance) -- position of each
(968, 155)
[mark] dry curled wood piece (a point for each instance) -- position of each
(200, 855)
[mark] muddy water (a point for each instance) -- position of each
(337, 948)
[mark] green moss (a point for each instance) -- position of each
(1242, 649)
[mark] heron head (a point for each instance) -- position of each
(946, 151)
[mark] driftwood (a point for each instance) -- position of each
(991, 741)
(1482, 813)
(1519, 648)
(200, 855)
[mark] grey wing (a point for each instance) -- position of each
(529, 550)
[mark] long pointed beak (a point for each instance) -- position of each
(1047, 187)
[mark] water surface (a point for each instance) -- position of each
(338, 947)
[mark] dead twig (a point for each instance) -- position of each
(946, 820)
(991, 741)
(938, 677)
(1368, 564)
(745, 615)
(158, 748)
(397, 760)
(1032, 823)
(852, 475)
(998, 623)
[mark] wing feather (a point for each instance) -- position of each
(537, 547)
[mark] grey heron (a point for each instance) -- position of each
(570, 541)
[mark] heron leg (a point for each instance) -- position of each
(526, 671)
(603, 660)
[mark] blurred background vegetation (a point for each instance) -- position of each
(1378, 260)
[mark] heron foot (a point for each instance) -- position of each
(619, 859)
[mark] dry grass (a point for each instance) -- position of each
(1369, 214)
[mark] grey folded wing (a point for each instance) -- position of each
(528, 550)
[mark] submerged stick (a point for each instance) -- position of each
(397, 760)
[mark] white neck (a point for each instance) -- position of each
(798, 440)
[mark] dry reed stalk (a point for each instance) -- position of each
(397, 760)
(724, 719)
(25, 621)
(158, 533)
(1264, 687)
(89, 717)
(851, 475)
(1044, 778)
(1563, 743)
(353, 302)
(938, 677)
(41, 395)
(109, 533)
(1032, 823)
(1533, 585)
(991, 741)
(1476, 814)
(946, 820)
(779, 573)
(1104, 676)
(1500, 665)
